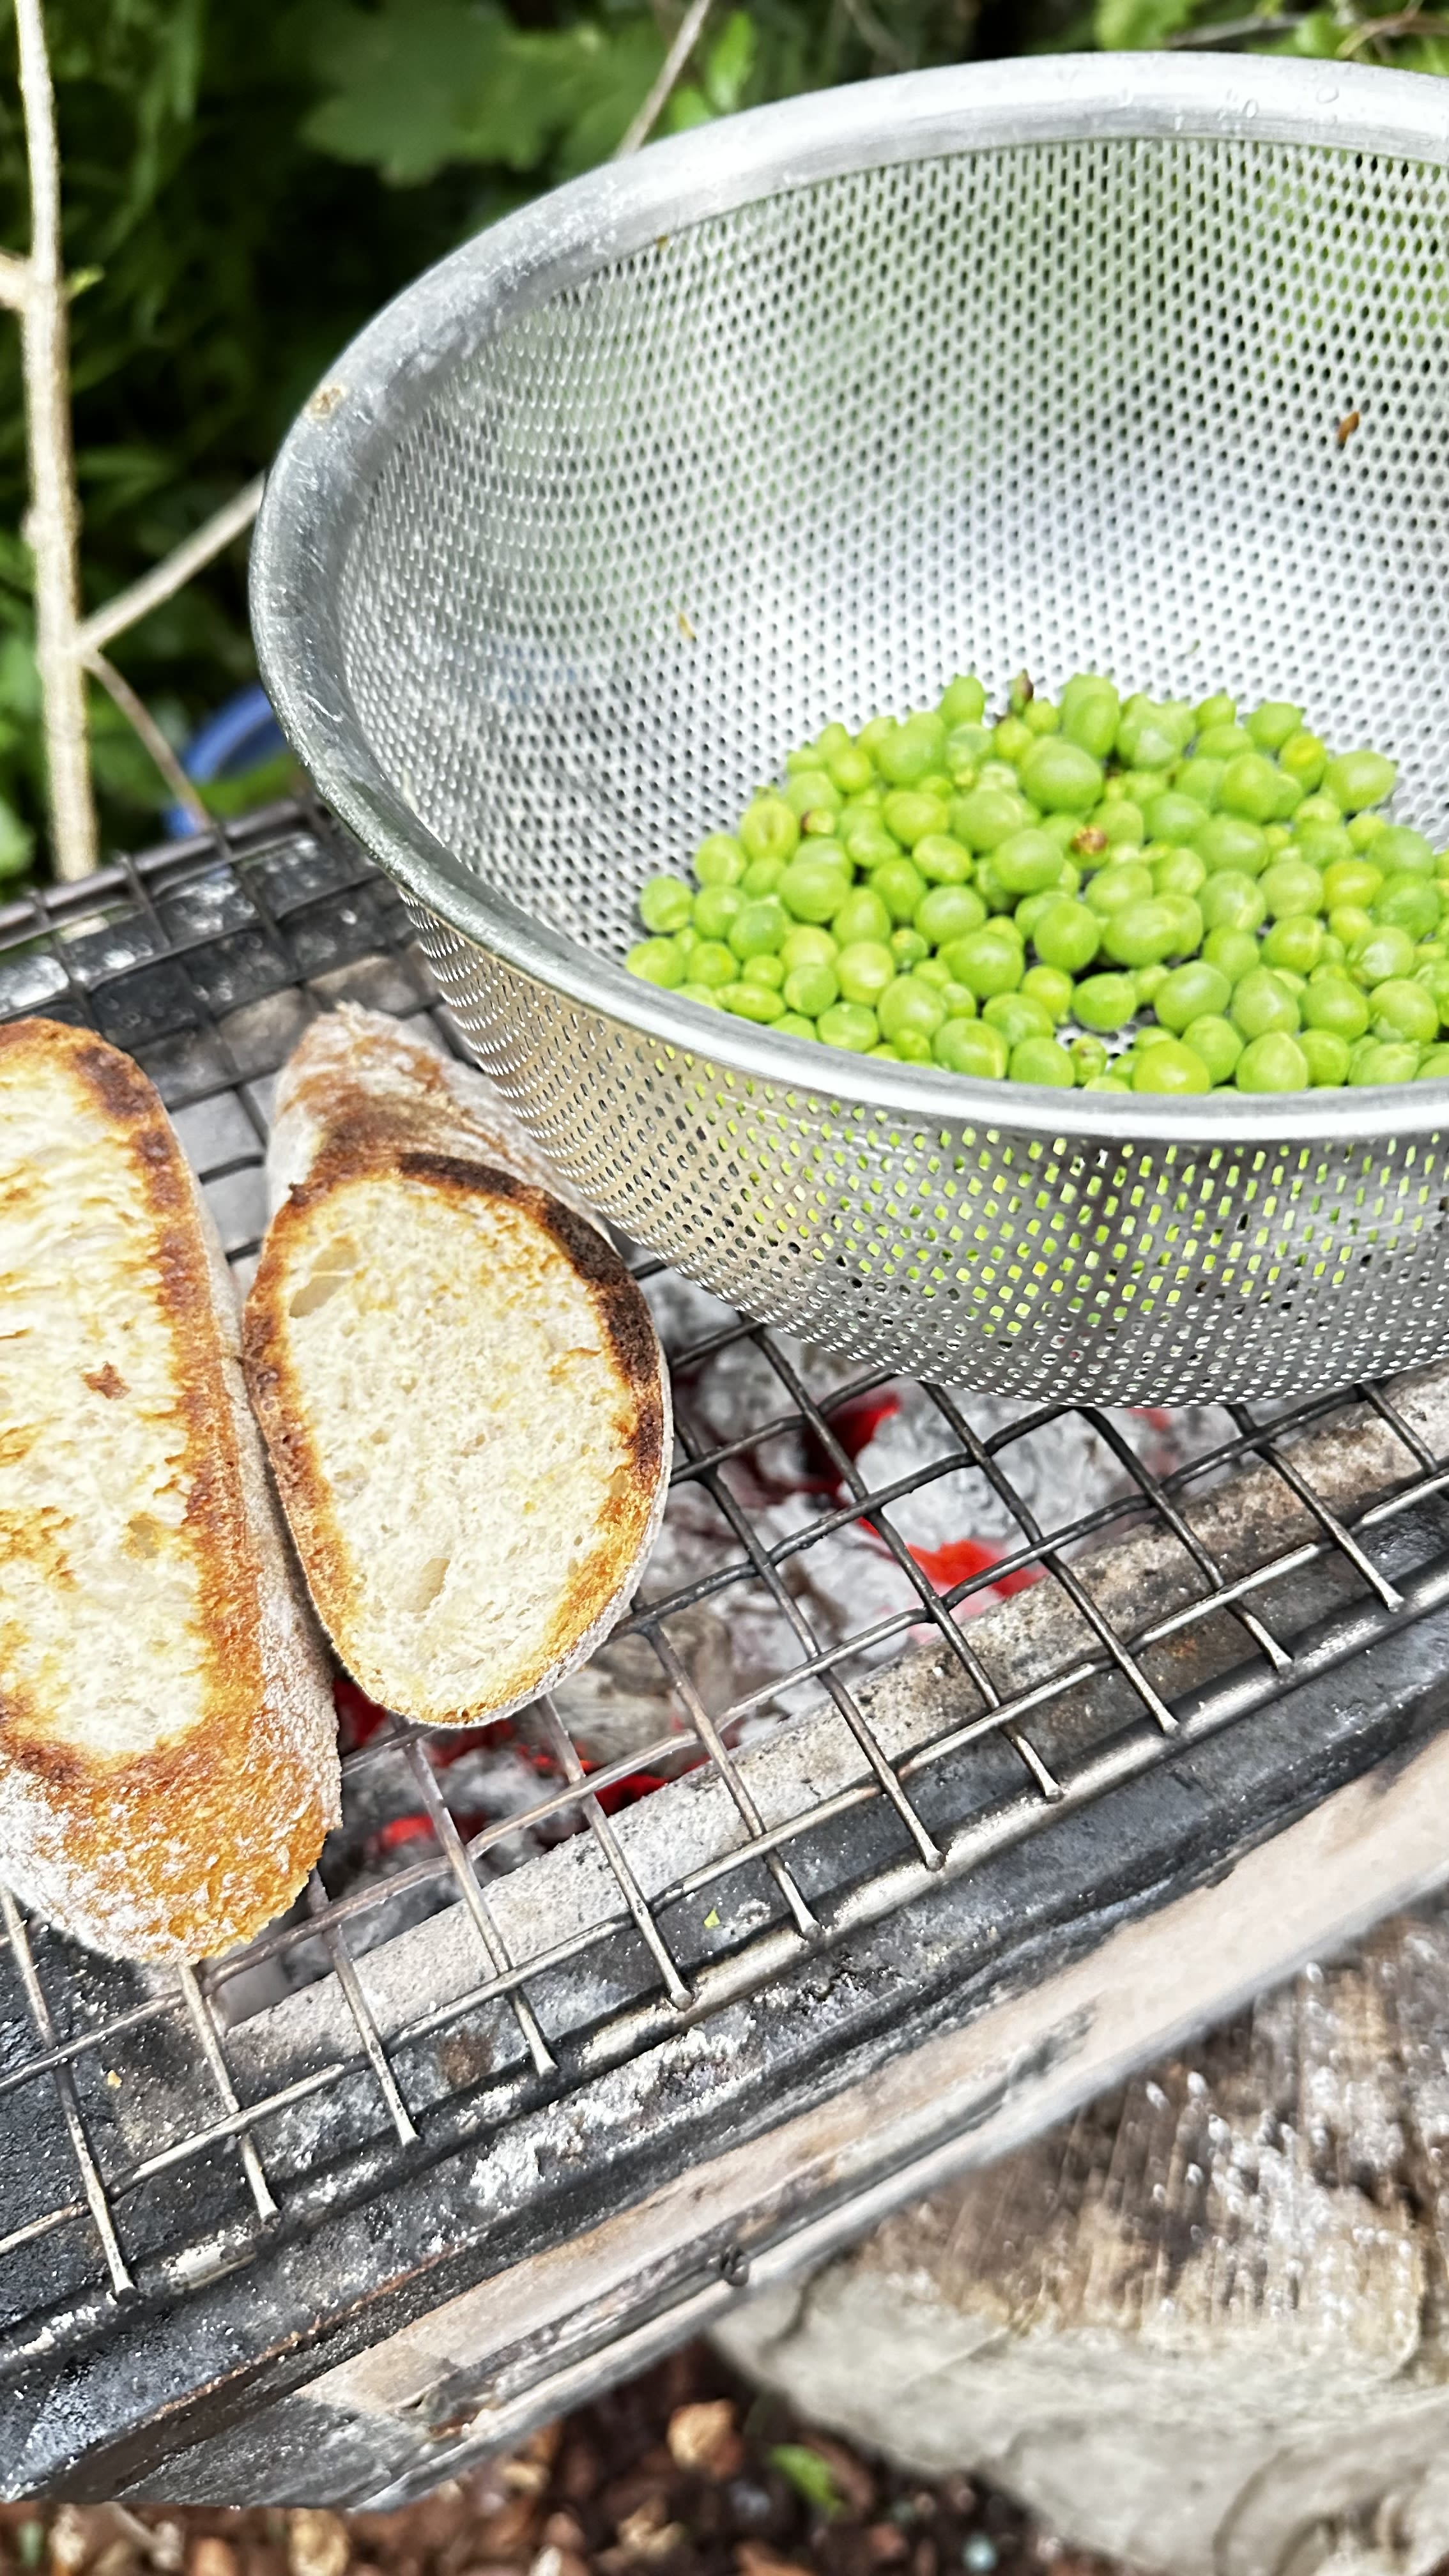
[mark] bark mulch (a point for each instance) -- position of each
(686, 2472)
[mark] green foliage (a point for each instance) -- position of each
(811, 2477)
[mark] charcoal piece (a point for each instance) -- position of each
(148, 1003)
(261, 1036)
(112, 946)
(205, 907)
(185, 1065)
(238, 969)
(288, 878)
(331, 936)
(32, 980)
(378, 983)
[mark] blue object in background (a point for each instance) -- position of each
(239, 736)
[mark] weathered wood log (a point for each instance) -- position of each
(1205, 2326)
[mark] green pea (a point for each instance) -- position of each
(899, 885)
(1384, 1061)
(715, 907)
(758, 928)
(861, 916)
(1067, 934)
(1030, 910)
(1263, 1007)
(1011, 739)
(1296, 943)
(987, 961)
(959, 1000)
(910, 814)
(761, 877)
(1052, 989)
(811, 989)
(706, 994)
(967, 745)
(996, 896)
(1304, 758)
(1219, 709)
(1027, 862)
(909, 1007)
(943, 860)
(813, 889)
(912, 1048)
(1106, 1002)
(865, 968)
(793, 1024)
(712, 963)
(949, 912)
(1434, 1065)
(1113, 888)
(1190, 991)
(908, 948)
(1405, 1010)
(1291, 886)
(1106, 1082)
(1123, 822)
(1144, 934)
(1353, 880)
(1273, 1062)
(1202, 780)
(1232, 902)
(1170, 1067)
(1060, 777)
(986, 817)
(1017, 1017)
(1434, 976)
(1234, 843)
(1062, 829)
(1179, 872)
(1216, 1043)
(1348, 922)
(1147, 737)
(1187, 936)
(769, 829)
(1090, 712)
(1274, 723)
(908, 752)
(1321, 808)
(867, 842)
(933, 970)
(1089, 1056)
(1041, 1060)
(1323, 845)
(969, 1046)
(1148, 980)
(851, 769)
(1359, 778)
(1223, 742)
(1326, 1057)
(850, 1025)
(753, 1002)
(808, 944)
(764, 970)
(656, 961)
(1174, 817)
(1337, 1006)
(964, 700)
(1382, 954)
(1250, 786)
(719, 860)
(1235, 952)
(1411, 903)
(1400, 852)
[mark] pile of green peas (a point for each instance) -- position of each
(1124, 895)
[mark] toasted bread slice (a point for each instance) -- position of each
(460, 1384)
(168, 1763)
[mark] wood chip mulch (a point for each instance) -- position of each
(686, 2472)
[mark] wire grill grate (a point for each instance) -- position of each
(158, 2129)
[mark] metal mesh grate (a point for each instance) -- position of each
(651, 482)
(488, 1932)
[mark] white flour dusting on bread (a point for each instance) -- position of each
(460, 1384)
(168, 1764)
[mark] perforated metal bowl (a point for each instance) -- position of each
(1040, 364)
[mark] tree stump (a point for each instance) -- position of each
(1205, 2326)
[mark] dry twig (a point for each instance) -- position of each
(690, 31)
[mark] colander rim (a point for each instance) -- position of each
(381, 379)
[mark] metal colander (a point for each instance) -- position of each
(1041, 365)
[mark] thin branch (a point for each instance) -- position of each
(691, 29)
(1407, 22)
(53, 526)
(173, 572)
(1200, 38)
(14, 281)
(139, 716)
